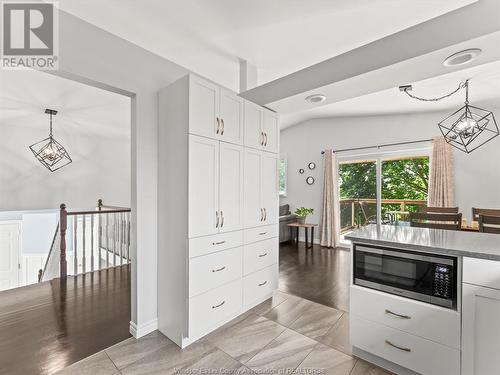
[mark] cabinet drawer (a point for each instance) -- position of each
(415, 353)
(210, 244)
(482, 272)
(260, 233)
(259, 255)
(258, 285)
(421, 319)
(212, 270)
(209, 310)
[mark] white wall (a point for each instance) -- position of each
(477, 175)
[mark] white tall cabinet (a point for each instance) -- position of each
(218, 207)
(481, 317)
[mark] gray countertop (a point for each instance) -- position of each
(438, 241)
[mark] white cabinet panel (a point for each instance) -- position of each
(480, 330)
(482, 272)
(259, 255)
(10, 242)
(269, 187)
(253, 213)
(203, 186)
(203, 107)
(412, 352)
(231, 187)
(211, 309)
(271, 131)
(422, 319)
(210, 244)
(253, 126)
(231, 117)
(259, 285)
(212, 270)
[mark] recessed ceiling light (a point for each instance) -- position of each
(316, 98)
(462, 57)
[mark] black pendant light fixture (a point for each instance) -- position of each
(50, 152)
(469, 127)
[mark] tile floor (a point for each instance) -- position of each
(283, 335)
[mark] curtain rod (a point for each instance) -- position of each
(379, 146)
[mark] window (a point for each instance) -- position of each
(282, 176)
(383, 189)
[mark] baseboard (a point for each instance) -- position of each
(142, 330)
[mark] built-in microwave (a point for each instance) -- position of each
(424, 277)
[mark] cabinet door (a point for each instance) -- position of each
(253, 214)
(231, 117)
(480, 330)
(203, 108)
(269, 187)
(203, 186)
(253, 126)
(271, 131)
(231, 187)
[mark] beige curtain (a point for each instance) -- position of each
(441, 182)
(330, 216)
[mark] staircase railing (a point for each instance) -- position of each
(88, 241)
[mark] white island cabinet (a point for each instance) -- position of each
(481, 317)
(217, 207)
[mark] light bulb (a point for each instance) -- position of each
(466, 125)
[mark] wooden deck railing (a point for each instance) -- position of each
(102, 233)
(354, 204)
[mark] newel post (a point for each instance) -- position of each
(63, 224)
(99, 204)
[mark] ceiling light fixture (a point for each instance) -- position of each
(469, 127)
(50, 152)
(462, 57)
(316, 98)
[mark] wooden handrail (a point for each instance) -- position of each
(74, 213)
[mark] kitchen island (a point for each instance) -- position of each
(426, 301)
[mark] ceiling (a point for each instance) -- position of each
(484, 91)
(278, 36)
(83, 110)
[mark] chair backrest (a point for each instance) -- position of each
(439, 210)
(436, 220)
(489, 224)
(484, 211)
(370, 217)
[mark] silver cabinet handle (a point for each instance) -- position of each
(222, 122)
(262, 138)
(219, 305)
(397, 347)
(262, 233)
(262, 255)
(261, 215)
(218, 125)
(221, 219)
(217, 216)
(219, 269)
(265, 214)
(265, 137)
(264, 283)
(218, 243)
(398, 315)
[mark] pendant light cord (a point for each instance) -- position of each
(460, 86)
(50, 133)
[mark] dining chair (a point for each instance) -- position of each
(451, 221)
(439, 210)
(489, 224)
(484, 211)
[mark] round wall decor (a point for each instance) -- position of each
(311, 165)
(301, 171)
(310, 180)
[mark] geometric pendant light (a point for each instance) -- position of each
(50, 152)
(469, 127)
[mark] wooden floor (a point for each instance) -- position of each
(48, 326)
(319, 274)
